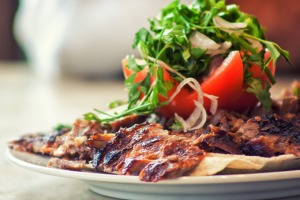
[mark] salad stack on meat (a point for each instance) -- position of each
(198, 104)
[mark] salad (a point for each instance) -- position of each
(196, 59)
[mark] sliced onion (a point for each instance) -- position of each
(184, 124)
(203, 116)
(229, 27)
(255, 43)
(199, 40)
(214, 103)
(202, 41)
(198, 117)
(195, 85)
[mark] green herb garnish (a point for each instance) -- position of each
(169, 40)
(60, 127)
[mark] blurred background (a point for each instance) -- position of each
(89, 38)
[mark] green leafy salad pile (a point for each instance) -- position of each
(169, 40)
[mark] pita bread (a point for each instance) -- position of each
(215, 163)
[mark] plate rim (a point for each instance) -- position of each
(186, 180)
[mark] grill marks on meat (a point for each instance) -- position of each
(75, 144)
(148, 151)
(267, 135)
(271, 135)
(220, 135)
(40, 142)
(219, 141)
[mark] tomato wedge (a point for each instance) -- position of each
(226, 82)
(183, 103)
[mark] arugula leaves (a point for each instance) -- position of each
(168, 40)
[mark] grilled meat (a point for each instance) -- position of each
(149, 151)
(43, 143)
(267, 135)
(271, 135)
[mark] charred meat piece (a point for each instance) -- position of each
(271, 135)
(219, 141)
(127, 121)
(267, 135)
(75, 144)
(148, 151)
(227, 121)
(43, 143)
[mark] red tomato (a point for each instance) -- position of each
(226, 83)
(182, 104)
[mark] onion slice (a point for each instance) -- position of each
(202, 41)
(199, 40)
(198, 117)
(229, 27)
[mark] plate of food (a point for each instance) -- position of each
(199, 121)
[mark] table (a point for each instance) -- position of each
(29, 104)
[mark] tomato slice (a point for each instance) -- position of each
(226, 82)
(183, 103)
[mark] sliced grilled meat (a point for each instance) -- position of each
(149, 151)
(267, 135)
(271, 135)
(219, 141)
(43, 143)
(75, 144)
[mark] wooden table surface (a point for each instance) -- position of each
(30, 104)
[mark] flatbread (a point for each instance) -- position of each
(215, 163)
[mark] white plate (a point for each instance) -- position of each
(245, 186)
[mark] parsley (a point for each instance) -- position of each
(60, 127)
(261, 93)
(168, 40)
